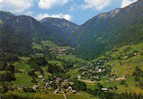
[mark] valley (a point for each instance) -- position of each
(56, 59)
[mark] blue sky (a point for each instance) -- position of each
(77, 11)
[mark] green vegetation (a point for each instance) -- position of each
(118, 72)
(99, 62)
(81, 95)
(52, 71)
(46, 70)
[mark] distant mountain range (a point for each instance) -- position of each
(18, 32)
(93, 38)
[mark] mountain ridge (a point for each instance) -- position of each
(14, 28)
(93, 38)
(108, 30)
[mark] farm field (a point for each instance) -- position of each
(81, 95)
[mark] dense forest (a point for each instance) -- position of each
(57, 59)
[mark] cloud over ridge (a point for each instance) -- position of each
(47, 4)
(60, 15)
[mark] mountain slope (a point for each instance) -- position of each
(61, 31)
(119, 70)
(98, 35)
(18, 32)
(112, 29)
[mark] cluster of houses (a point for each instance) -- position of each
(92, 73)
(57, 85)
(60, 85)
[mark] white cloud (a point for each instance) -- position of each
(47, 4)
(127, 2)
(29, 13)
(15, 5)
(61, 15)
(97, 4)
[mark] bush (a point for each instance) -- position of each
(55, 67)
(6, 76)
(78, 85)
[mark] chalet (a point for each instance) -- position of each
(104, 89)
(120, 78)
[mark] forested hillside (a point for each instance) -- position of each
(111, 29)
(55, 58)
(20, 31)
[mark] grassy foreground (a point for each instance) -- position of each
(17, 95)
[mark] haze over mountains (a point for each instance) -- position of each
(96, 36)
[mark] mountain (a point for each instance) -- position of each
(111, 29)
(5, 15)
(17, 33)
(96, 36)
(61, 31)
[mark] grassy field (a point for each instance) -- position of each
(81, 95)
